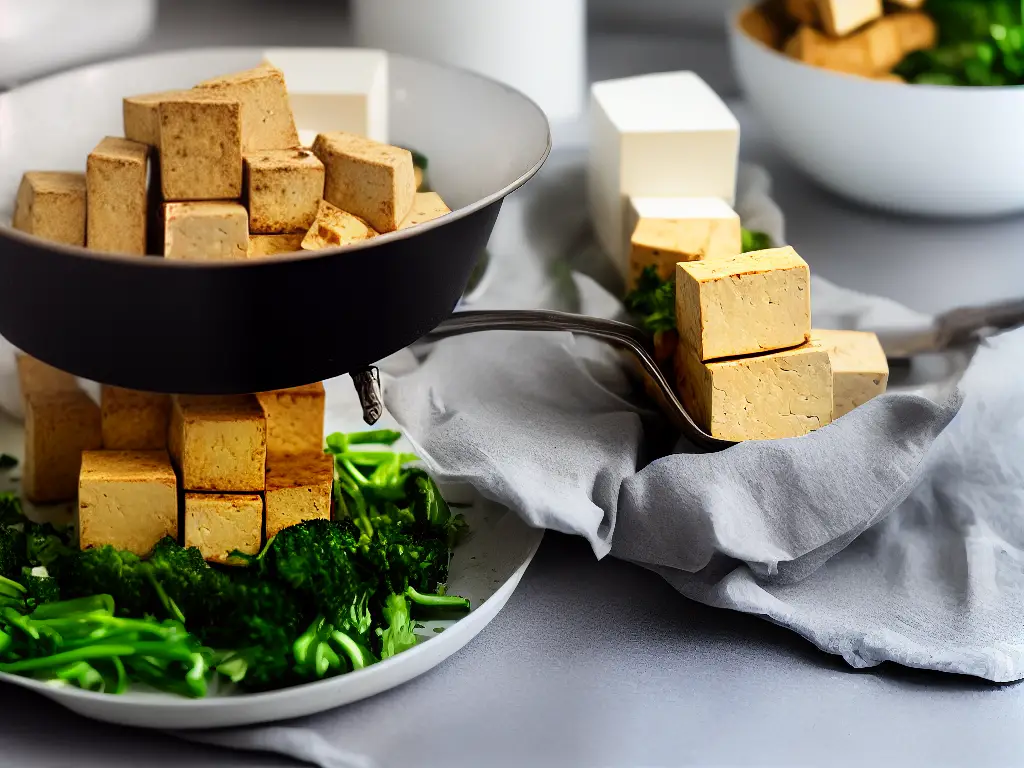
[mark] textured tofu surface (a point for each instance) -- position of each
(36, 376)
(59, 426)
(219, 524)
(841, 17)
(51, 205)
(744, 305)
(334, 227)
(284, 187)
(295, 419)
(219, 443)
(666, 231)
(426, 206)
(860, 370)
(133, 420)
(660, 135)
(267, 121)
(141, 116)
(273, 245)
(206, 231)
(200, 147)
(127, 499)
(804, 11)
(868, 53)
(116, 198)
(763, 397)
(373, 181)
(298, 489)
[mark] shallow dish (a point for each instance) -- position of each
(151, 324)
(917, 149)
(486, 568)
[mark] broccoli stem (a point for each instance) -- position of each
(88, 653)
(359, 656)
(10, 588)
(94, 605)
(437, 601)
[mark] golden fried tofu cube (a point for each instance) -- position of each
(116, 198)
(219, 524)
(200, 147)
(426, 206)
(59, 426)
(284, 188)
(141, 116)
(295, 419)
(218, 443)
(912, 5)
(206, 231)
(133, 420)
(274, 245)
(915, 31)
(748, 304)
(51, 205)
(867, 53)
(668, 230)
(763, 26)
(373, 181)
(761, 397)
(127, 499)
(334, 227)
(267, 120)
(841, 17)
(298, 489)
(36, 376)
(860, 370)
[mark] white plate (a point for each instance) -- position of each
(486, 569)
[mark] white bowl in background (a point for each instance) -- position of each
(927, 150)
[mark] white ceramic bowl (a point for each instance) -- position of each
(927, 150)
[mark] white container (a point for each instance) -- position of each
(536, 46)
(939, 151)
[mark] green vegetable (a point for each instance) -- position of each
(981, 43)
(322, 598)
(653, 302)
(7, 461)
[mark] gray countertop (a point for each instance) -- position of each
(602, 664)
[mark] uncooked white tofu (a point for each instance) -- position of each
(662, 135)
(334, 89)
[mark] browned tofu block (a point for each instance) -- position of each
(841, 17)
(913, 5)
(141, 116)
(284, 187)
(206, 231)
(59, 426)
(298, 489)
(36, 376)
(426, 206)
(274, 245)
(334, 227)
(915, 31)
(373, 181)
(116, 199)
(51, 205)
(267, 120)
(127, 499)
(200, 147)
(860, 370)
(760, 397)
(219, 443)
(295, 419)
(221, 524)
(867, 53)
(133, 420)
(761, 26)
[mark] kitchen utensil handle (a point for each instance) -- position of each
(968, 324)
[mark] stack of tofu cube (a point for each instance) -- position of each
(224, 473)
(857, 37)
(662, 181)
(219, 171)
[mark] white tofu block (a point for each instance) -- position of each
(332, 89)
(662, 135)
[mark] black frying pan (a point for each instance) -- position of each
(150, 324)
